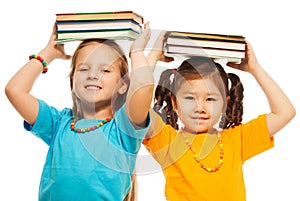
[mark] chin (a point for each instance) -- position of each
(202, 130)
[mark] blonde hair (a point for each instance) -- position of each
(117, 100)
(132, 195)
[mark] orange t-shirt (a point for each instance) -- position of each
(186, 180)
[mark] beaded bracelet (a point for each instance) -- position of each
(34, 56)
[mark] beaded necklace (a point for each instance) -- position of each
(84, 130)
(208, 169)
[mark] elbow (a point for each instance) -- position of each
(9, 90)
(293, 112)
(290, 113)
(12, 91)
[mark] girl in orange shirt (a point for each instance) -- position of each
(201, 161)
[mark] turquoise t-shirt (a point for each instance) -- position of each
(92, 166)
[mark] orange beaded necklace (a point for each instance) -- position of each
(83, 130)
(208, 169)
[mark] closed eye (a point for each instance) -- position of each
(83, 69)
(189, 98)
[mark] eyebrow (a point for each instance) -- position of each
(106, 65)
(207, 94)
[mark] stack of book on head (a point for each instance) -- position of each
(113, 25)
(216, 46)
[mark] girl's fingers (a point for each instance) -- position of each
(146, 31)
(146, 25)
(53, 34)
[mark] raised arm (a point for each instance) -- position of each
(282, 110)
(141, 88)
(18, 88)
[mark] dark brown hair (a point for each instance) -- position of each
(198, 68)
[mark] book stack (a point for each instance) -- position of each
(108, 25)
(216, 46)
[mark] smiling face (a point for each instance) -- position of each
(199, 104)
(97, 75)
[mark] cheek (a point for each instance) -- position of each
(78, 76)
(185, 107)
(76, 80)
(216, 111)
(184, 110)
(111, 82)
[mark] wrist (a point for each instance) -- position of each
(47, 55)
(41, 60)
(136, 54)
(257, 70)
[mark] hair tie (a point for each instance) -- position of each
(174, 70)
(229, 81)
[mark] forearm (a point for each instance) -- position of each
(141, 88)
(23, 80)
(152, 59)
(18, 88)
(282, 110)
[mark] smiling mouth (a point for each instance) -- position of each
(93, 87)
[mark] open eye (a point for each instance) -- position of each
(105, 71)
(211, 99)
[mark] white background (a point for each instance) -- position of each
(272, 28)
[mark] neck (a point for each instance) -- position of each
(97, 111)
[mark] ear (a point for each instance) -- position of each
(123, 88)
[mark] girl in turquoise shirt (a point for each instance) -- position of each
(93, 146)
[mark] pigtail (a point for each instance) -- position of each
(234, 111)
(163, 98)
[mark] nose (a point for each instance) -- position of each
(93, 74)
(200, 106)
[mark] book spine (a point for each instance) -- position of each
(89, 16)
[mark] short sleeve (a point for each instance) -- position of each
(131, 138)
(255, 137)
(162, 137)
(155, 141)
(46, 122)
